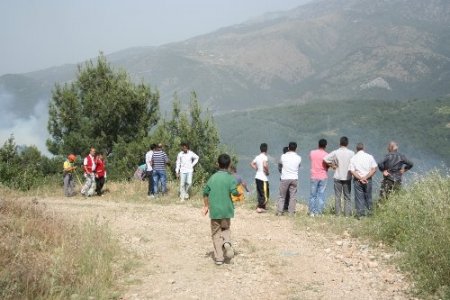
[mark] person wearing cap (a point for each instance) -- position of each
(69, 168)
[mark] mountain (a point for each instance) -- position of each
(324, 50)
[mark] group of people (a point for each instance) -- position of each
(94, 172)
(156, 160)
(347, 165)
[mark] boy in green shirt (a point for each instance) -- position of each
(217, 200)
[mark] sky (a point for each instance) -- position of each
(38, 34)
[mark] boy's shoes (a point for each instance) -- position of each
(260, 210)
(219, 262)
(229, 251)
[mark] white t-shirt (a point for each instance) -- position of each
(259, 161)
(291, 162)
(362, 163)
(148, 160)
(186, 162)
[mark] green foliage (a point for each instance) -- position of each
(196, 128)
(417, 222)
(25, 168)
(100, 108)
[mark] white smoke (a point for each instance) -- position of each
(30, 130)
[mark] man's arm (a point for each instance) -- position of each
(195, 159)
(178, 165)
(266, 167)
(253, 165)
(205, 208)
(407, 164)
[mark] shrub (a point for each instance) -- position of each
(416, 221)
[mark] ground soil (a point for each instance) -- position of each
(276, 258)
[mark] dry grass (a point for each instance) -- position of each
(42, 257)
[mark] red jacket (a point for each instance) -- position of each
(100, 168)
(89, 164)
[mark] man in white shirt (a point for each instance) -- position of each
(362, 166)
(261, 165)
(290, 163)
(149, 170)
(186, 160)
(339, 160)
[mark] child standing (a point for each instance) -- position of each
(217, 200)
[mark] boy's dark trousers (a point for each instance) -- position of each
(262, 188)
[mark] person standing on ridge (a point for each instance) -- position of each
(393, 166)
(69, 182)
(149, 170)
(184, 169)
(339, 161)
(261, 165)
(290, 163)
(362, 166)
(319, 179)
(100, 173)
(89, 173)
(160, 160)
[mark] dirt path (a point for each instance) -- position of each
(274, 260)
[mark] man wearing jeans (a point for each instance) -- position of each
(319, 178)
(339, 161)
(186, 160)
(160, 160)
(362, 166)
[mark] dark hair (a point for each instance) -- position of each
(185, 144)
(344, 141)
(285, 149)
(322, 143)
(292, 146)
(263, 147)
(359, 146)
(152, 146)
(224, 161)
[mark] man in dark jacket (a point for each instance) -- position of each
(393, 166)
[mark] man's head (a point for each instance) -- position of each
(322, 143)
(285, 149)
(92, 151)
(292, 146)
(224, 161)
(343, 141)
(185, 147)
(263, 147)
(392, 147)
(359, 147)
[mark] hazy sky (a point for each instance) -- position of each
(36, 34)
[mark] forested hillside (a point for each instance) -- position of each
(421, 127)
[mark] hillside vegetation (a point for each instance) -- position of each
(422, 127)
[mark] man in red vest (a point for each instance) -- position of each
(89, 173)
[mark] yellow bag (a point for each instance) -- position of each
(241, 191)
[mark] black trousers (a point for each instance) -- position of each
(262, 189)
(99, 183)
(150, 182)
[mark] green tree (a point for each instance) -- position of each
(100, 108)
(196, 128)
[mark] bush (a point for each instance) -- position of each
(417, 222)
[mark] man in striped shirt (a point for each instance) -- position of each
(160, 160)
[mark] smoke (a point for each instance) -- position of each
(27, 130)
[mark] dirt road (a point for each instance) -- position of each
(275, 259)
